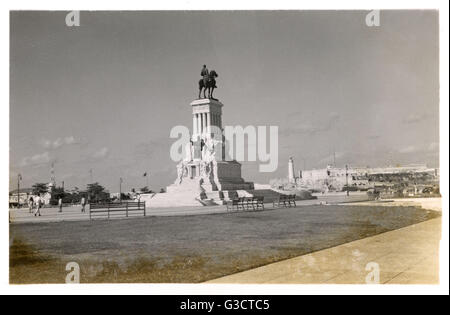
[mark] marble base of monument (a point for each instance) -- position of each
(221, 184)
(226, 175)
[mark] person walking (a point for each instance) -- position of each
(38, 205)
(30, 204)
(60, 204)
(83, 204)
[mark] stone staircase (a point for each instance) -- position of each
(169, 200)
(187, 198)
(268, 194)
(220, 197)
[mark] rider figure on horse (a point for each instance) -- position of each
(205, 74)
(208, 82)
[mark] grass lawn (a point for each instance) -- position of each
(191, 249)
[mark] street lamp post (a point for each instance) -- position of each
(346, 179)
(19, 178)
(120, 189)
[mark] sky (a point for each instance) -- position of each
(103, 96)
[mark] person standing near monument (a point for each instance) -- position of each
(60, 204)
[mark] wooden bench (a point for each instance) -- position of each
(285, 201)
(258, 203)
(115, 209)
(232, 204)
(246, 203)
(292, 201)
(236, 203)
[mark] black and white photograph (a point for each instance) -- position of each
(226, 147)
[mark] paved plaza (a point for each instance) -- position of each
(73, 213)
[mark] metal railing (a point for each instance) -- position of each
(113, 208)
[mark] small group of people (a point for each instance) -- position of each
(38, 202)
(35, 203)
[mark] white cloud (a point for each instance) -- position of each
(414, 118)
(55, 144)
(409, 149)
(69, 140)
(102, 153)
(373, 137)
(36, 159)
(434, 146)
(330, 158)
(325, 125)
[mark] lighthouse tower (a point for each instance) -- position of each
(291, 173)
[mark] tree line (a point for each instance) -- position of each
(93, 193)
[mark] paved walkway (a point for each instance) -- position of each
(73, 213)
(406, 256)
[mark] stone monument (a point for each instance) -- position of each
(204, 170)
(204, 176)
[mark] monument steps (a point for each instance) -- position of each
(222, 196)
(268, 194)
(187, 198)
(169, 200)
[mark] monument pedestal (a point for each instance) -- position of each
(203, 175)
(218, 176)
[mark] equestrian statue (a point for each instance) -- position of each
(208, 82)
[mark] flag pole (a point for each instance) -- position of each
(19, 177)
(120, 189)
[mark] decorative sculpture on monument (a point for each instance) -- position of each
(189, 148)
(203, 169)
(209, 150)
(181, 171)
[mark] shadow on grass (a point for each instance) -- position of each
(27, 265)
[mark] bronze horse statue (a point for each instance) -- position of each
(209, 85)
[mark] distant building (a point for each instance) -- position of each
(334, 178)
(26, 193)
(23, 195)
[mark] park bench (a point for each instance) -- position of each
(258, 203)
(285, 201)
(292, 201)
(246, 203)
(115, 209)
(235, 203)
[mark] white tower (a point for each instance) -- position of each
(291, 171)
